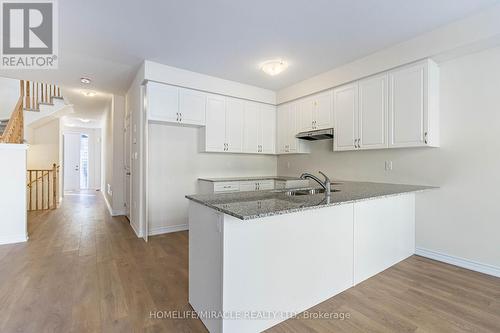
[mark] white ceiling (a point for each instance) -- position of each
(108, 40)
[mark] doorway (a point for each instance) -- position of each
(81, 160)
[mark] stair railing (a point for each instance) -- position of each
(36, 93)
(14, 132)
(43, 188)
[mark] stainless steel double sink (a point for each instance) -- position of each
(293, 193)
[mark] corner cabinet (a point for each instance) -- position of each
(172, 104)
(395, 109)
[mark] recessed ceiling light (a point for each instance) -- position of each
(274, 67)
(89, 93)
(85, 80)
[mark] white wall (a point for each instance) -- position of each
(175, 164)
(13, 226)
(44, 144)
(9, 95)
(112, 157)
(461, 218)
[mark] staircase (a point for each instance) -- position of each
(3, 125)
(38, 103)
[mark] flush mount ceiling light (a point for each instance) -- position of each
(274, 67)
(89, 93)
(84, 120)
(85, 80)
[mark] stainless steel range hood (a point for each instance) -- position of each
(324, 134)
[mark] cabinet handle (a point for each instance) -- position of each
(425, 137)
(180, 114)
(177, 114)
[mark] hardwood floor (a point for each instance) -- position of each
(84, 271)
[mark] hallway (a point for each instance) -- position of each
(84, 271)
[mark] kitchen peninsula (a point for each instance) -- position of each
(256, 258)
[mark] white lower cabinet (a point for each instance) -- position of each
(206, 186)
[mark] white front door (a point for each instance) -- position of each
(71, 161)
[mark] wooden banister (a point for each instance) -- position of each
(14, 132)
(43, 188)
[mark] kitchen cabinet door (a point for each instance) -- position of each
(282, 128)
(345, 110)
(305, 110)
(234, 125)
(215, 123)
(408, 106)
(291, 141)
(267, 127)
(323, 113)
(373, 99)
(192, 104)
(163, 102)
(251, 127)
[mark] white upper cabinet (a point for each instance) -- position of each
(305, 112)
(162, 102)
(413, 105)
(372, 115)
(287, 129)
(345, 110)
(395, 109)
(259, 134)
(251, 131)
(322, 110)
(175, 105)
(192, 105)
(316, 112)
(267, 126)
(234, 125)
(215, 130)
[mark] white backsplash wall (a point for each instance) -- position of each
(461, 218)
(175, 166)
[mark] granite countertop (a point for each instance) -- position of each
(258, 204)
(237, 179)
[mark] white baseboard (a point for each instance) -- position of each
(12, 239)
(137, 232)
(167, 229)
(460, 262)
(113, 212)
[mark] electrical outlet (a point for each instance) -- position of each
(388, 165)
(288, 165)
